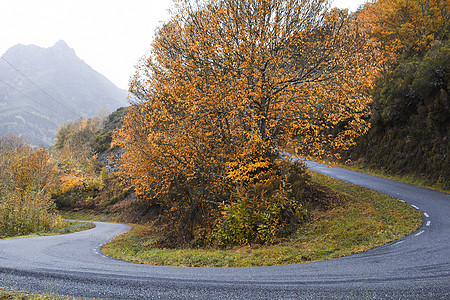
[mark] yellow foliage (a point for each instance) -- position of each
(27, 178)
(68, 183)
(406, 26)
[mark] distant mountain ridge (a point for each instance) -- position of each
(74, 90)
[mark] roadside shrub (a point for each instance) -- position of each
(27, 178)
(21, 215)
(264, 211)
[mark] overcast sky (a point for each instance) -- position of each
(109, 35)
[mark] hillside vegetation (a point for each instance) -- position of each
(86, 161)
(410, 131)
(410, 122)
(35, 183)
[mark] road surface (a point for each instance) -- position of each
(415, 267)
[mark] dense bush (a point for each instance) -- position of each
(21, 215)
(27, 177)
(263, 211)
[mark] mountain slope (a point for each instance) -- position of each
(72, 90)
(410, 133)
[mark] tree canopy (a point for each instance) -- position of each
(407, 27)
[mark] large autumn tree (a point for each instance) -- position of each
(228, 83)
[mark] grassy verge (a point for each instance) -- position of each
(7, 293)
(88, 215)
(368, 219)
(70, 227)
(411, 179)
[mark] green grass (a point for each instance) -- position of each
(7, 293)
(70, 227)
(409, 178)
(366, 220)
(88, 215)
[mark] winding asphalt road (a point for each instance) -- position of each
(415, 267)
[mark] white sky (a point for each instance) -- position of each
(109, 35)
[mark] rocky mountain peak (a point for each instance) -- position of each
(62, 47)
